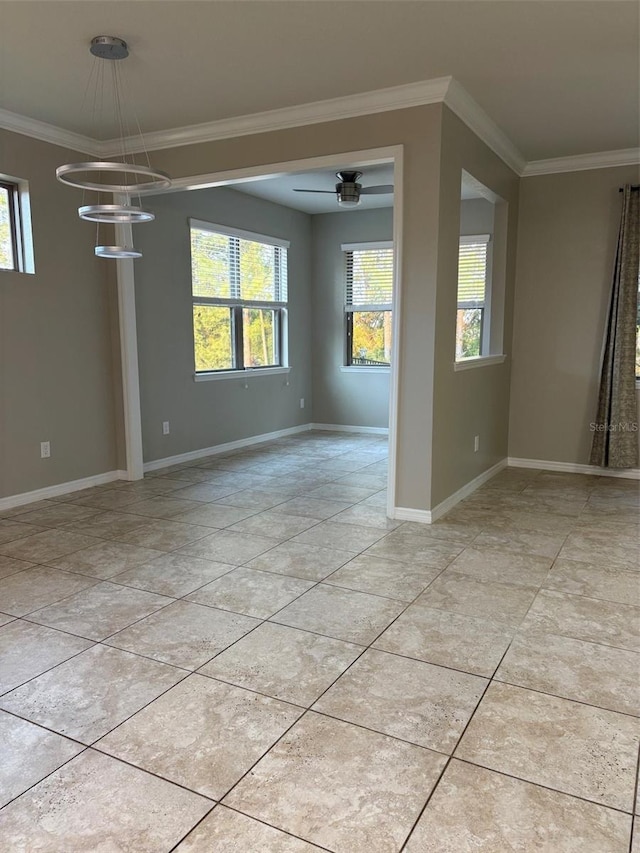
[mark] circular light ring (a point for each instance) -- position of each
(115, 213)
(117, 252)
(71, 174)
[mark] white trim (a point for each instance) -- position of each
(583, 162)
(359, 368)
(478, 361)
(350, 428)
(242, 375)
(405, 513)
(155, 464)
(471, 113)
(61, 489)
(362, 247)
(396, 297)
(50, 133)
(574, 468)
(252, 236)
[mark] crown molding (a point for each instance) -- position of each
(583, 162)
(349, 106)
(48, 133)
(471, 113)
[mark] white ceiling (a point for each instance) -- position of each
(559, 78)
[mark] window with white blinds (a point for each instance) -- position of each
(472, 271)
(229, 267)
(369, 276)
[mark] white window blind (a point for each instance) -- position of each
(369, 277)
(227, 269)
(472, 271)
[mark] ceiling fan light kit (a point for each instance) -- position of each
(123, 177)
(348, 189)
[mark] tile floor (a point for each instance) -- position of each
(243, 654)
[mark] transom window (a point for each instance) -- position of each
(368, 302)
(239, 288)
(472, 293)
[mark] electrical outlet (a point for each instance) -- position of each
(302, 402)
(165, 427)
(45, 449)
(476, 443)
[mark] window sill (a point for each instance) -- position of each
(480, 361)
(351, 368)
(243, 375)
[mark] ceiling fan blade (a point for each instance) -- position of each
(331, 192)
(379, 190)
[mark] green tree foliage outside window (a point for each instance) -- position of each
(369, 293)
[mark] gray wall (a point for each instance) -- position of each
(204, 414)
(566, 250)
(476, 216)
(56, 367)
(358, 397)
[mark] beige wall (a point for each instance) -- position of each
(566, 250)
(418, 131)
(357, 398)
(471, 402)
(56, 372)
(205, 414)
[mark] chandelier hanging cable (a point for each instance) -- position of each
(122, 178)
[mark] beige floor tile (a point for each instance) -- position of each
(342, 537)
(573, 748)
(389, 578)
(203, 734)
(409, 548)
(341, 613)
(163, 506)
(29, 753)
(437, 636)
(511, 815)
(255, 499)
(5, 619)
(57, 514)
(591, 673)
(216, 515)
(445, 530)
(355, 791)
(274, 524)
(105, 559)
(485, 563)
(599, 546)
(27, 650)
(341, 492)
(227, 831)
(205, 492)
(107, 525)
(165, 535)
(580, 578)
(114, 500)
(367, 516)
(505, 603)
(635, 839)
(408, 699)
(227, 547)
(253, 593)
(183, 634)
(313, 507)
(45, 546)
(283, 662)
(35, 588)
(95, 803)
(87, 696)
(584, 618)
(309, 562)
(100, 611)
(9, 566)
(521, 542)
(12, 530)
(173, 574)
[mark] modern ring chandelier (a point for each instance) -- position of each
(123, 178)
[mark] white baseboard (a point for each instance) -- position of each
(61, 489)
(345, 428)
(425, 516)
(191, 455)
(575, 468)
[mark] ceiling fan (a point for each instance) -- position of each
(348, 190)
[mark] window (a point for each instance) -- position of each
(472, 293)
(368, 296)
(9, 215)
(239, 287)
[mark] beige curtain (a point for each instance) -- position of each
(615, 439)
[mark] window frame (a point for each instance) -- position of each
(15, 227)
(349, 248)
(236, 307)
(485, 307)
